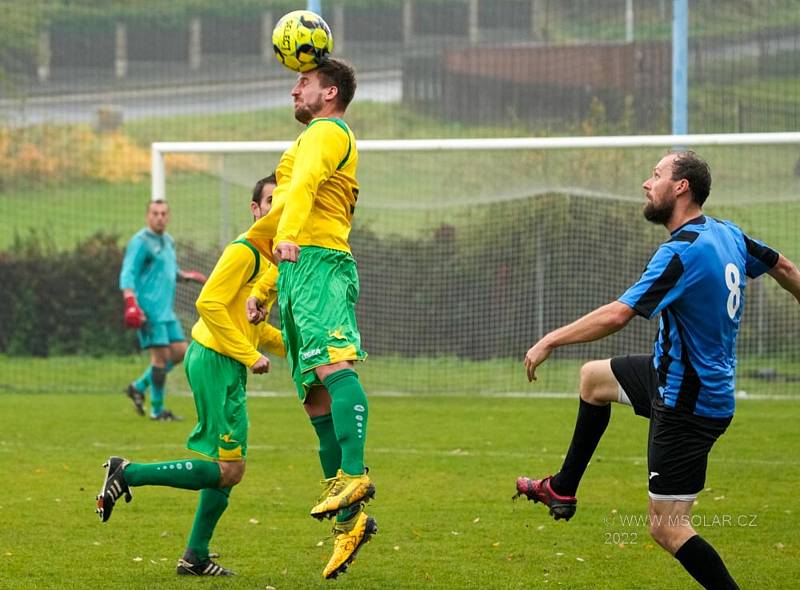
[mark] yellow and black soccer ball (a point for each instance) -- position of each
(301, 40)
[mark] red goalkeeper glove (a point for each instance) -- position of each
(193, 275)
(134, 316)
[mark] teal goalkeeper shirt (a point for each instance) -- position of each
(150, 268)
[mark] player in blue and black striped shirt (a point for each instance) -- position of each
(696, 282)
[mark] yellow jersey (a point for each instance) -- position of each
(223, 324)
(317, 190)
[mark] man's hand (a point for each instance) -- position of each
(255, 310)
(261, 366)
(193, 275)
(538, 354)
(134, 316)
(285, 251)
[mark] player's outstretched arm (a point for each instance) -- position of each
(787, 275)
(192, 275)
(595, 325)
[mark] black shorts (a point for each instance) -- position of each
(678, 444)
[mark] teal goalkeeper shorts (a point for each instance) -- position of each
(218, 384)
(160, 334)
(317, 298)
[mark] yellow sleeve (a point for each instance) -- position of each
(320, 150)
(266, 284)
(271, 340)
(230, 275)
(262, 232)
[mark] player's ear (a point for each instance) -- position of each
(331, 92)
(681, 187)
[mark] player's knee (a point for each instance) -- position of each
(590, 386)
(231, 473)
(664, 534)
(177, 352)
(317, 402)
(657, 533)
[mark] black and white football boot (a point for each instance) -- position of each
(114, 487)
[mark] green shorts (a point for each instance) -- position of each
(160, 334)
(218, 384)
(317, 298)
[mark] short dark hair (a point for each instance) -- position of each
(156, 202)
(688, 165)
(271, 179)
(339, 73)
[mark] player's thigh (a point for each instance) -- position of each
(177, 350)
(324, 290)
(638, 381)
(218, 387)
(324, 370)
(677, 453)
(154, 335)
(598, 383)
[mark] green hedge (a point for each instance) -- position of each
(484, 283)
(57, 303)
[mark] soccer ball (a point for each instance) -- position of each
(301, 39)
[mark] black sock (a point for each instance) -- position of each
(589, 428)
(705, 565)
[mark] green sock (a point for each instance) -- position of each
(330, 454)
(159, 386)
(213, 502)
(349, 512)
(350, 412)
(188, 474)
(143, 382)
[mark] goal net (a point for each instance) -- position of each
(469, 250)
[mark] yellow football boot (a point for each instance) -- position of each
(327, 486)
(345, 491)
(349, 536)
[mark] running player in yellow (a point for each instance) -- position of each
(307, 234)
(224, 346)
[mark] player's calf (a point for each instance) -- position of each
(540, 490)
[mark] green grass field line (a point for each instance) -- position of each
(444, 469)
(386, 375)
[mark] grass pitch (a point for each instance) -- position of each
(444, 469)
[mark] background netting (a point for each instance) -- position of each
(465, 257)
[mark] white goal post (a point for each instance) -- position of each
(159, 149)
(470, 249)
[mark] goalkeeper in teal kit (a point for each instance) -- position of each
(147, 280)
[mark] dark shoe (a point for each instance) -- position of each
(166, 416)
(189, 565)
(114, 487)
(540, 490)
(137, 397)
